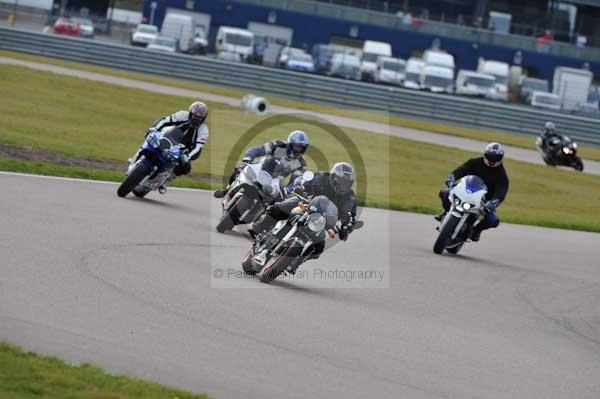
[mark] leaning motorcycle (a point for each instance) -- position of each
(563, 154)
(466, 199)
(256, 186)
(153, 168)
(295, 240)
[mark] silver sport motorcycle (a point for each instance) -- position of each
(466, 199)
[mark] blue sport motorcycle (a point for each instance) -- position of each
(153, 167)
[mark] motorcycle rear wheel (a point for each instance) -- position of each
(247, 263)
(139, 172)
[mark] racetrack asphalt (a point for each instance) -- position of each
(520, 154)
(132, 285)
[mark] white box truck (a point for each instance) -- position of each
(572, 86)
(438, 73)
(500, 71)
(201, 29)
(371, 51)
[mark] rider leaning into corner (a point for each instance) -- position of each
(192, 122)
(290, 154)
(549, 133)
(491, 170)
(335, 185)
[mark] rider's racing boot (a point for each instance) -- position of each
(439, 217)
(476, 234)
(220, 193)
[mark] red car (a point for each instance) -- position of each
(64, 26)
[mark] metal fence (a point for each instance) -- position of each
(305, 87)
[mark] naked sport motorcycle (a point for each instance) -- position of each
(295, 240)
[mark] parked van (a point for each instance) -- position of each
(181, 28)
(235, 40)
(390, 70)
(412, 74)
(437, 79)
(572, 86)
(471, 83)
(500, 71)
(345, 66)
(323, 53)
(372, 50)
(529, 85)
(550, 101)
(438, 73)
(439, 58)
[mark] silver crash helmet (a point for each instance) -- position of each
(342, 177)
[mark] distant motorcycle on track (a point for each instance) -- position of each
(559, 151)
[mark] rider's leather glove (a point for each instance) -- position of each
(490, 206)
(185, 158)
(247, 160)
(151, 130)
(450, 181)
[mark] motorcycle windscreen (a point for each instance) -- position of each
(474, 184)
(325, 207)
(274, 167)
(174, 134)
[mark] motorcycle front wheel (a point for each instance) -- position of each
(278, 263)
(445, 235)
(578, 165)
(139, 172)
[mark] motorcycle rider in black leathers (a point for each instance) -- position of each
(290, 153)
(192, 122)
(490, 169)
(549, 137)
(335, 185)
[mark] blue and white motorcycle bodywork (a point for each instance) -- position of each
(153, 167)
(466, 199)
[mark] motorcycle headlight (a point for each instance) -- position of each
(467, 206)
(270, 190)
(153, 139)
(316, 222)
(566, 150)
(457, 201)
(173, 154)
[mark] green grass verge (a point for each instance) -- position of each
(50, 169)
(85, 119)
(592, 153)
(25, 375)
